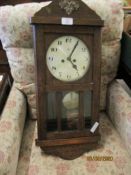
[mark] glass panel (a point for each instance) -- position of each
(63, 110)
(70, 110)
(87, 107)
(51, 112)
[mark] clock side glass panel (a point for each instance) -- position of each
(68, 58)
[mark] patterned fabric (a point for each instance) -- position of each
(112, 14)
(17, 17)
(26, 148)
(119, 110)
(22, 64)
(110, 145)
(16, 36)
(18, 45)
(11, 130)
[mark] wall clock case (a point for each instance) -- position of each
(67, 41)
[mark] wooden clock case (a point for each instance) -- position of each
(47, 26)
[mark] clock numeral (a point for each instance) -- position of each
(86, 59)
(51, 58)
(53, 68)
(53, 49)
(68, 77)
(83, 49)
(60, 74)
(84, 67)
(59, 42)
(68, 40)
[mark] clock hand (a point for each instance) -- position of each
(74, 66)
(69, 57)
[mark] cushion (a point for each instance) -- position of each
(17, 40)
(119, 109)
(16, 36)
(11, 131)
(33, 161)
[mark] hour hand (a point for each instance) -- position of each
(74, 66)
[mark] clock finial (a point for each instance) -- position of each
(69, 5)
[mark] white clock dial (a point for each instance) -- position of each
(68, 58)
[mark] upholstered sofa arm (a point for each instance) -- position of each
(119, 109)
(11, 129)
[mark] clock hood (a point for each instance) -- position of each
(69, 9)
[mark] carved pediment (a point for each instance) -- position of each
(76, 9)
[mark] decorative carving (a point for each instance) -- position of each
(48, 10)
(69, 5)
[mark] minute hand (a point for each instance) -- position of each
(69, 57)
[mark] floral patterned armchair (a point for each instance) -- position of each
(18, 153)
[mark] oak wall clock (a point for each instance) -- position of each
(67, 40)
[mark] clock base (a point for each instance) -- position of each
(69, 149)
(69, 152)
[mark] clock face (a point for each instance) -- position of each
(68, 58)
